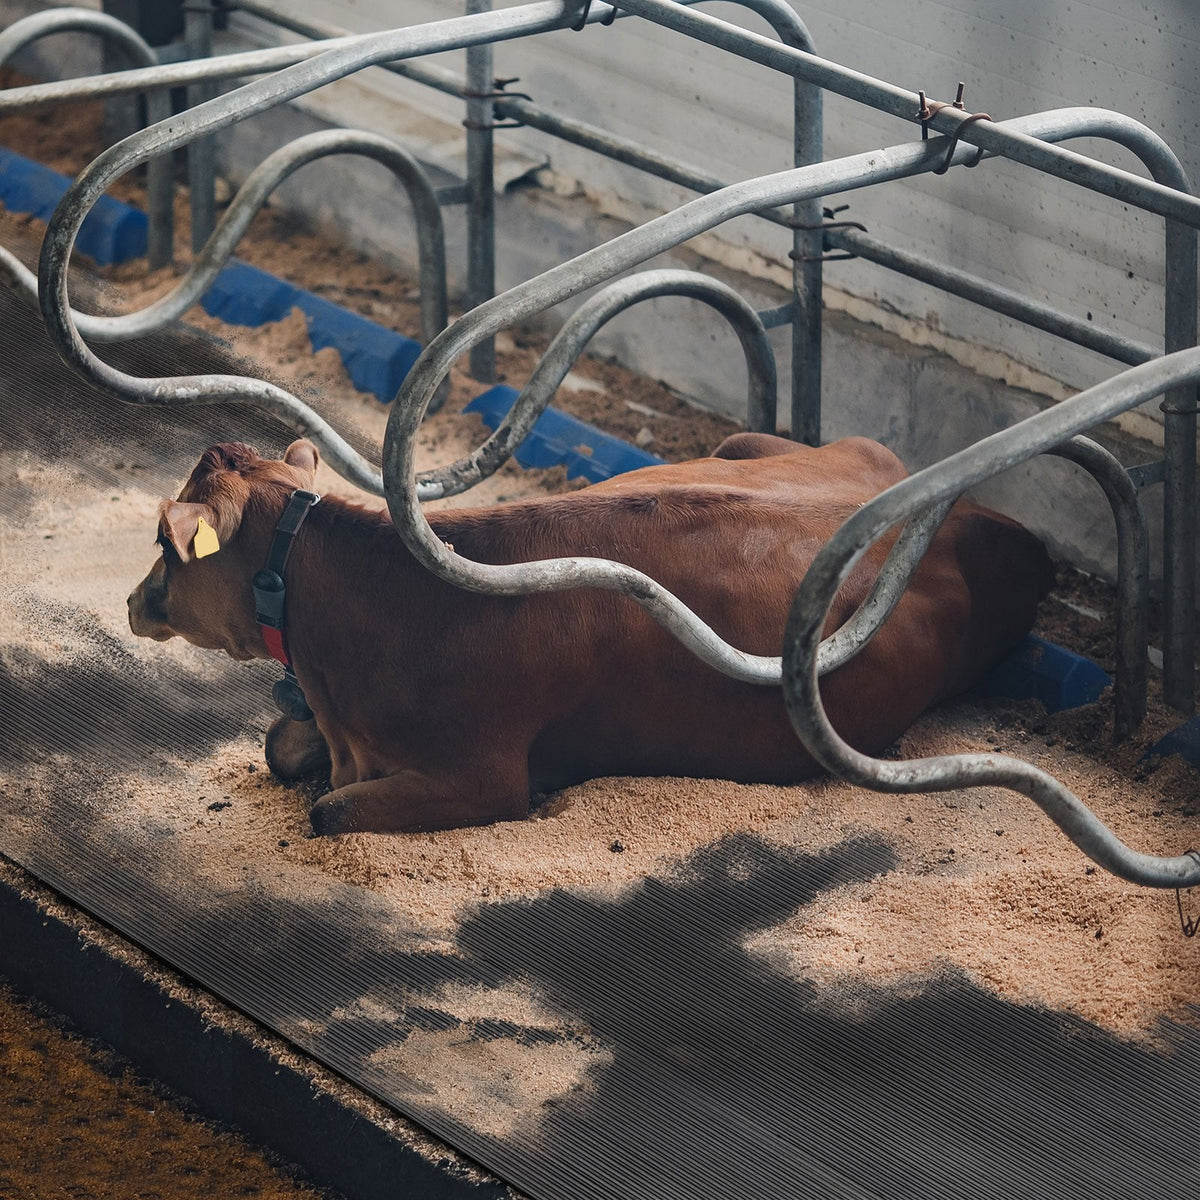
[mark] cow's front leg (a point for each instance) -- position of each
(296, 749)
(415, 801)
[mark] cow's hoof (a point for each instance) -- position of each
(296, 750)
(332, 816)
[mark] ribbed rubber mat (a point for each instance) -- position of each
(722, 1078)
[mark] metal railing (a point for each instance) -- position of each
(945, 480)
(574, 336)
(486, 103)
(159, 180)
(250, 198)
(1031, 140)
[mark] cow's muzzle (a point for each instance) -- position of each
(146, 618)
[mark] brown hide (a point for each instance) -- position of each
(442, 707)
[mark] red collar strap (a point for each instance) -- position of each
(270, 595)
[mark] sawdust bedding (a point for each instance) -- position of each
(984, 884)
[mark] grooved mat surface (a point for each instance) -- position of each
(581, 1045)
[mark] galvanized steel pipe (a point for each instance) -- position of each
(169, 75)
(252, 98)
(202, 152)
(990, 295)
(250, 198)
(692, 218)
(1003, 138)
(1179, 406)
(159, 173)
(527, 19)
(1133, 571)
(1180, 420)
(555, 285)
(526, 112)
(575, 334)
(1133, 578)
(1055, 126)
(936, 484)
(667, 231)
(559, 284)
(944, 480)
(808, 136)
(842, 645)
(425, 491)
(481, 190)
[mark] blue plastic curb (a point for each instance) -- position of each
(376, 358)
(559, 439)
(1040, 670)
(113, 232)
(1183, 740)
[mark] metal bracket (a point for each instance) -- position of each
(587, 8)
(979, 116)
(930, 108)
(469, 124)
(1146, 475)
(452, 193)
(1180, 407)
(828, 223)
(497, 92)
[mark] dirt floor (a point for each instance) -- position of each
(76, 1122)
(983, 885)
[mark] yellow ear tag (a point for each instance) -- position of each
(205, 542)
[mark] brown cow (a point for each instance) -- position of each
(436, 707)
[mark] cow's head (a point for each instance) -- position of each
(214, 538)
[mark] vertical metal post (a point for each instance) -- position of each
(198, 24)
(160, 190)
(122, 114)
(481, 202)
(1179, 490)
(807, 248)
(157, 24)
(807, 238)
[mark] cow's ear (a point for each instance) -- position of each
(302, 455)
(192, 529)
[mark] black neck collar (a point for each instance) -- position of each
(270, 601)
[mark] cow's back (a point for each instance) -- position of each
(610, 692)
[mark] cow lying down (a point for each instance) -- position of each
(436, 707)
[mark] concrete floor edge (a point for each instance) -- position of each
(229, 1069)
